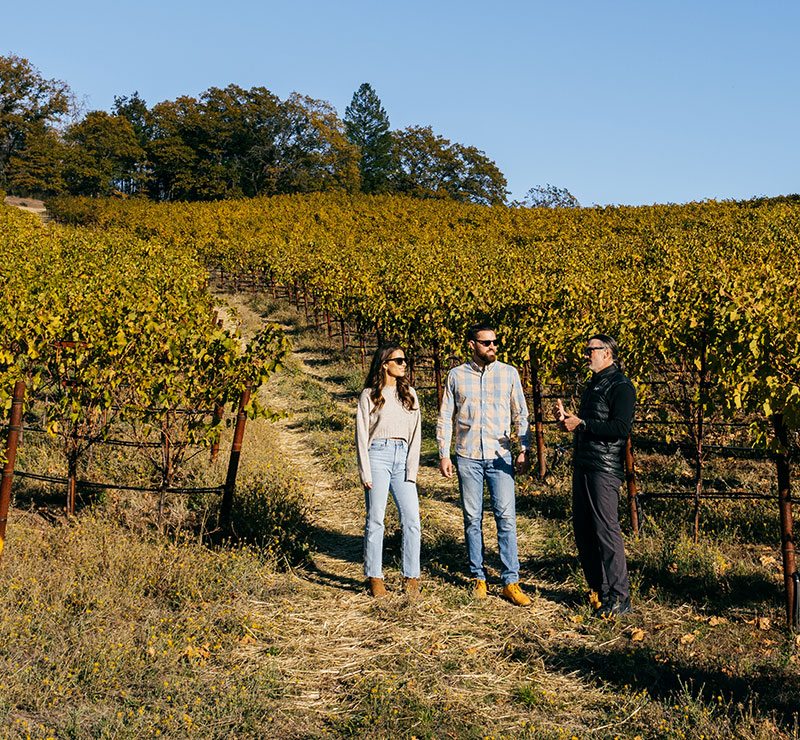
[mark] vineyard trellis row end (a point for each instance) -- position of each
(12, 445)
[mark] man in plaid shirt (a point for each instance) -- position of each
(486, 396)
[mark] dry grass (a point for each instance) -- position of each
(308, 654)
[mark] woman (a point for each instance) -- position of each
(388, 440)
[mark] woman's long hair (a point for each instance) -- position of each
(376, 378)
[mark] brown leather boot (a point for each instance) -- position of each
(377, 589)
(411, 587)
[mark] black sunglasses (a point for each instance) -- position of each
(397, 360)
(488, 342)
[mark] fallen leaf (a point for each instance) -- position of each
(764, 623)
(714, 621)
(472, 650)
(151, 651)
(246, 640)
(767, 560)
(576, 618)
(797, 641)
(687, 639)
(672, 567)
(637, 635)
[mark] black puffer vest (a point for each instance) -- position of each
(591, 452)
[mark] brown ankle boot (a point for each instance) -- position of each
(411, 587)
(377, 589)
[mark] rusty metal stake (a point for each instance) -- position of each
(630, 481)
(226, 506)
(14, 429)
(785, 508)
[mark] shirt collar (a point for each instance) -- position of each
(477, 368)
(605, 372)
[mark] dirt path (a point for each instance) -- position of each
(330, 639)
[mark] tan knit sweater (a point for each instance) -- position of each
(391, 421)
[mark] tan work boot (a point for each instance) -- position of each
(377, 589)
(411, 587)
(478, 588)
(514, 594)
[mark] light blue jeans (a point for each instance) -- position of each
(387, 460)
(498, 474)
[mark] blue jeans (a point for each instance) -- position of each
(387, 460)
(498, 474)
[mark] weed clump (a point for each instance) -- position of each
(273, 514)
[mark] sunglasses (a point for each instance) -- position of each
(398, 360)
(488, 342)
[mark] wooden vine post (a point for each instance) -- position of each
(699, 438)
(437, 372)
(14, 430)
(166, 467)
(72, 471)
(785, 510)
(630, 482)
(219, 412)
(538, 416)
(226, 506)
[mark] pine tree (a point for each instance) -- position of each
(367, 127)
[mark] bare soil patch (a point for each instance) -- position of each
(32, 205)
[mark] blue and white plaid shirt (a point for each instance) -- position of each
(485, 404)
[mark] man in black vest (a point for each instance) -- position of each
(601, 429)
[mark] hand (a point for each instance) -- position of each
(523, 462)
(446, 467)
(570, 422)
(559, 411)
(368, 485)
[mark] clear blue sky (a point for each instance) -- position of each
(621, 102)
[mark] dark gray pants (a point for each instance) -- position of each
(595, 521)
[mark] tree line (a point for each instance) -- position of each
(230, 143)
